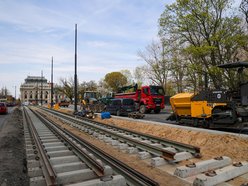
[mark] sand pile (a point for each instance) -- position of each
(211, 145)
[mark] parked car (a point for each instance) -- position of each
(3, 108)
(64, 103)
(120, 106)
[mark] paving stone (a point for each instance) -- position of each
(144, 155)
(202, 166)
(157, 161)
(222, 175)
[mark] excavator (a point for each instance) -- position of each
(90, 102)
(214, 108)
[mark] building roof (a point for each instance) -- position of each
(35, 79)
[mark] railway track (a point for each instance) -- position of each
(216, 171)
(143, 144)
(57, 157)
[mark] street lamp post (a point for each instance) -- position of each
(52, 83)
(75, 75)
(41, 92)
(15, 91)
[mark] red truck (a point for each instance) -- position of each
(147, 98)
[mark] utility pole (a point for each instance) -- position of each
(15, 92)
(37, 93)
(52, 84)
(41, 92)
(75, 75)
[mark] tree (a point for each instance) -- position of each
(209, 36)
(103, 88)
(157, 66)
(178, 63)
(87, 86)
(67, 87)
(128, 75)
(115, 80)
(139, 75)
(4, 91)
(244, 9)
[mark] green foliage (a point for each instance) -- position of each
(199, 51)
(209, 34)
(171, 89)
(86, 86)
(139, 75)
(115, 80)
(128, 75)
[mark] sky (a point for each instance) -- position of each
(110, 33)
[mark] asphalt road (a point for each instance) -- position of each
(4, 117)
(161, 117)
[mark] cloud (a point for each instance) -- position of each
(101, 44)
(31, 18)
(32, 53)
(109, 35)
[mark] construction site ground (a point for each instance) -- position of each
(13, 171)
(212, 144)
(12, 155)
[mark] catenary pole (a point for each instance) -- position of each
(41, 88)
(75, 75)
(52, 83)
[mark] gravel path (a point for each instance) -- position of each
(13, 171)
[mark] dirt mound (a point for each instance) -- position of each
(211, 145)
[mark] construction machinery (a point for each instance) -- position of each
(212, 108)
(64, 103)
(147, 98)
(90, 102)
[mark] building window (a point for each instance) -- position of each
(25, 95)
(31, 95)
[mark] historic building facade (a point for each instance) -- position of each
(35, 90)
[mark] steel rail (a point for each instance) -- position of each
(47, 169)
(113, 162)
(90, 161)
(168, 155)
(133, 176)
(177, 145)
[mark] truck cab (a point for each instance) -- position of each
(151, 98)
(147, 98)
